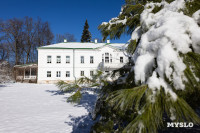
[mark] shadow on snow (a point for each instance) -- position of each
(81, 124)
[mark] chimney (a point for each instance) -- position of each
(108, 41)
(65, 40)
(95, 41)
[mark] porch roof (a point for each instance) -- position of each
(32, 65)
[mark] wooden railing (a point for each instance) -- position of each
(30, 77)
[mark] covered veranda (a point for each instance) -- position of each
(26, 73)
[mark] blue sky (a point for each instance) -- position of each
(65, 15)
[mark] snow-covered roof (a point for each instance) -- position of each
(78, 45)
(27, 65)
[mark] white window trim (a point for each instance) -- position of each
(108, 57)
(82, 74)
(92, 73)
(121, 61)
(48, 73)
(58, 74)
(82, 60)
(92, 61)
(48, 59)
(66, 59)
(68, 73)
(57, 59)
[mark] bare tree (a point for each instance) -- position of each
(44, 35)
(23, 37)
(60, 38)
(29, 36)
(13, 33)
(4, 51)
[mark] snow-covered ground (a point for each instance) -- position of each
(34, 108)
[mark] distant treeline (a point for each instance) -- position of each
(20, 38)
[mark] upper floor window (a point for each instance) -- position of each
(82, 59)
(91, 59)
(110, 58)
(106, 57)
(58, 74)
(91, 73)
(48, 73)
(48, 59)
(58, 59)
(67, 59)
(82, 73)
(67, 73)
(102, 57)
(121, 60)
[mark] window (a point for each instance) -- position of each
(67, 59)
(67, 73)
(106, 57)
(48, 59)
(58, 74)
(110, 58)
(48, 73)
(82, 59)
(91, 59)
(82, 73)
(58, 59)
(102, 57)
(91, 73)
(121, 60)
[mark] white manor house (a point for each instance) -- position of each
(69, 61)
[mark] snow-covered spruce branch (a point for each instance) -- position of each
(97, 80)
(164, 82)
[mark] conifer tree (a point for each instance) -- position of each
(150, 97)
(86, 35)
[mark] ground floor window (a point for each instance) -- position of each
(58, 74)
(67, 73)
(48, 73)
(91, 73)
(82, 73)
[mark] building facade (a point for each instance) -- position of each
(71, 61)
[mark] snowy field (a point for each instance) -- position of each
(34, 108)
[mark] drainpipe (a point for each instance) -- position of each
(74, 65)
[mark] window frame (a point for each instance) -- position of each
(67, 74)
(121, 59)
(110, 58)
(91, 73)
(49, 61)
(91, 59)
(82, 60)
(57, 61)
(107, 59)
(58, 74)
(48, 73)
(67, 59)
(82, 73)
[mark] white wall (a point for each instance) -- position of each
(43, 66)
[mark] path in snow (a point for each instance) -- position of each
(34, 108)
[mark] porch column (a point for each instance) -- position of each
(30, 73)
